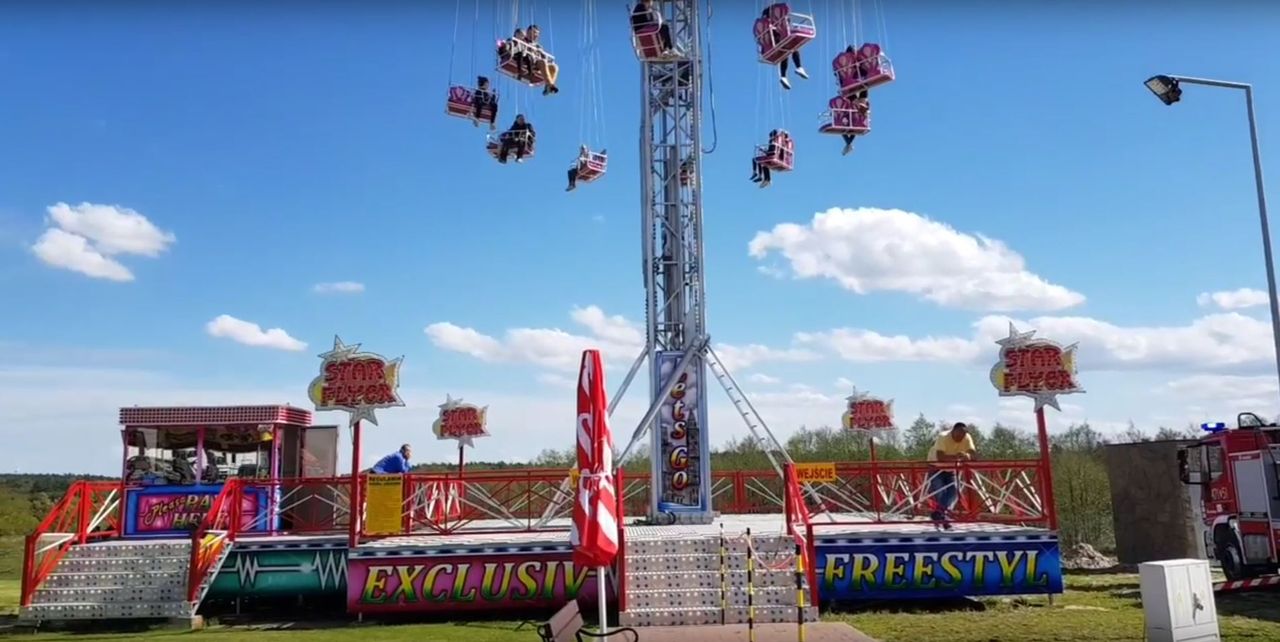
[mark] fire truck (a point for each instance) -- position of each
(1237, 473)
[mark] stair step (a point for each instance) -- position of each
(59, 580)
(109, 594)
(703, 616)
(141, 549)
(663, 580)
(130, 564)
(105, 611)
(710, 598)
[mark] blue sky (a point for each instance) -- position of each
(282, 147)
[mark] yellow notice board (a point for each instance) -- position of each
(815, 473)
(383, 495)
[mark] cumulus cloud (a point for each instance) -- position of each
(761, 378)
(338, 287)
(248, 333)
(1225, 342)
(618, 339)
(85, 238)
(854, 344)
(1233, 299)
(868, 249)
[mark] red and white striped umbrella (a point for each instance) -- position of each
(595, 509)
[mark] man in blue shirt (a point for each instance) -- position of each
(394, 464)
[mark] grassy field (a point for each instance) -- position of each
(1095, 607)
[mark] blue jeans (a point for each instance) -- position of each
(942, 487)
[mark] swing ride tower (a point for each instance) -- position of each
(675, 313)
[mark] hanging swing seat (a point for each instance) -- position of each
(779, 155)
(646, 37)
(510, 48)
(686, 174)
(592, 167)
(862, 69)
(461, 104)
(782, 33)
(493, 144)
(845, 116)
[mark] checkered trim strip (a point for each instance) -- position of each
(480, 550)
(957, 539)
(214, 416)
(1241, 585)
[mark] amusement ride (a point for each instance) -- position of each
(668, 38)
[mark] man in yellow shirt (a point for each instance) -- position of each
(955, 445)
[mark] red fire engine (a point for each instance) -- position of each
(1238, 475)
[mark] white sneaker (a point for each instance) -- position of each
(785, 83)
(848, 147)
(802, 73)
(764, 183)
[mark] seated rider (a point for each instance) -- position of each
(549, 69)
(760, 172)
(770, 37)
(644, 14)
(584, 157)
(862, 105)
(519, 137)
(524, 66)
(482, 100)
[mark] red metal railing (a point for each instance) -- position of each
(800, 527)
(87, 512)
(493, 501)
(215, 532)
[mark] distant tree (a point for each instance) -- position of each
(1006, 442)
(1133, 434)
(1169, 434)
(1078, 438)
(919, 438)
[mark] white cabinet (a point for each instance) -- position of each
(1177, 597)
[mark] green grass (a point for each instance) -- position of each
(10, 558)
(1095, 607)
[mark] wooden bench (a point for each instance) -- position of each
(566, 626)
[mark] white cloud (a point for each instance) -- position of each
(251, 334)
(1225, 341)
(618, 339)
(1233, 299)
(84, 237)
(844, 382)
(338, 287)
(761, 378)
(63, 249)
(867, 346)
(869, 249)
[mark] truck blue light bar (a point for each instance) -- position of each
(1214, 427)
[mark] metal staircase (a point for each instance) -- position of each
(116, 580)
(764, 437)
(687, 581)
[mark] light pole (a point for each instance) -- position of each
(1167, 89)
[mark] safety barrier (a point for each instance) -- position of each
(87, 512)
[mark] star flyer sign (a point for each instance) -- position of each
(1036, 368)
(868, 413)
(461, 421)
(357, 382)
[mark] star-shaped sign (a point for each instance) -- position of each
(374, 388)
(1042, 370)
(857, 396)
(465, 435)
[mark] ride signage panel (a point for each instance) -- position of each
(448, 583)
(815, 473)
(681, 459)
(1036, 368)
(857, 570)
(357, 382)
(461, 421)
(868, 413)
(384, 494)
(170, 510)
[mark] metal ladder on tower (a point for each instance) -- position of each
(764, 437)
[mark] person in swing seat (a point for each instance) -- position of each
(772, 36)
(518, 138)
(550, 70)
(482, 101)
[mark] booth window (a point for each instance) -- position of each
(238, 451)
(160, 456)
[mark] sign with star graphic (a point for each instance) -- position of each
(357, 382)
(1036, 368)
(865, 412)
(461, 421)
